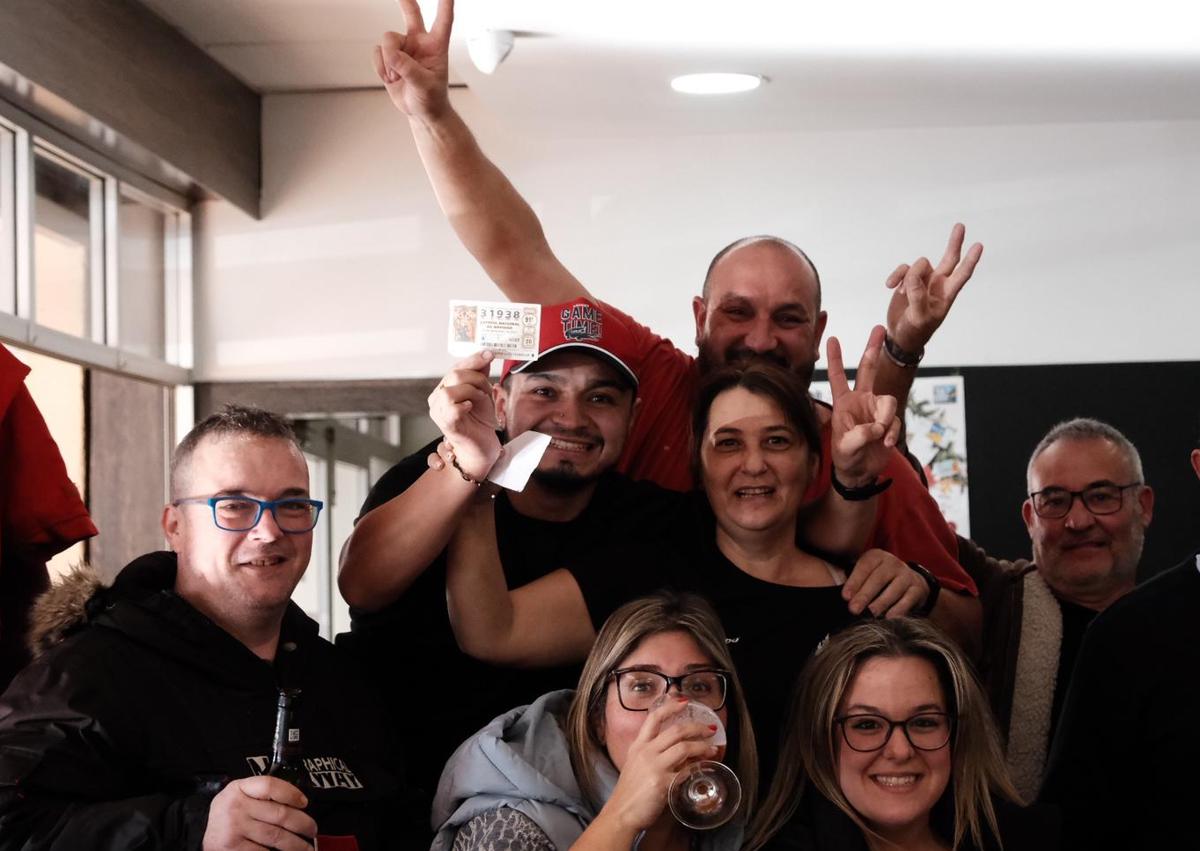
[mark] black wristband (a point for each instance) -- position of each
(935, 588)
(858, 494)
(899, 356)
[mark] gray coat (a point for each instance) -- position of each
(521, 760)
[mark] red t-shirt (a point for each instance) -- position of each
(908, 522)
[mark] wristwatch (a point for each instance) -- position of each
(899, 356)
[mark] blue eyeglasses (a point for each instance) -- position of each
(293, 515)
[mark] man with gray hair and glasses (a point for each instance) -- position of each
(1087, 511)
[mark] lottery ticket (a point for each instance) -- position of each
(506, 328)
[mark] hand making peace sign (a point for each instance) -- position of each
(865, 426)
(924, 292)
(415, 66)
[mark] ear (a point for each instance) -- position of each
(170, 524)
(1145, 503)
(818, 333)
(1028, 515)
(1196, 462)
(500, 400)
(700, 312)
(633, 415)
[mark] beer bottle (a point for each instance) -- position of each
(287, 761)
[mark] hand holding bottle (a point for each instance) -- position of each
(263, 810)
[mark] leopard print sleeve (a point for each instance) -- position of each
(502, 829)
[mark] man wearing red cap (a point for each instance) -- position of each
(581, 393)
(761, 298)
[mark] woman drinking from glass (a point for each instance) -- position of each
(592, 768)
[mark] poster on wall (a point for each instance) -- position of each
(936, 421)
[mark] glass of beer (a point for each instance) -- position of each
(704, 794)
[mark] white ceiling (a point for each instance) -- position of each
(603, 65)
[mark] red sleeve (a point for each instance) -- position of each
(659, 445)
(40, 511)
(40, 507)
(909, 523)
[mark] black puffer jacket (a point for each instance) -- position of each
(139, 709)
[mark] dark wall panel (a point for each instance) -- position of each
(1156, 405)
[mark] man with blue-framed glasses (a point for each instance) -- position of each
(171, 676)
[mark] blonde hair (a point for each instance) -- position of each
(621, 634)
(810, 747)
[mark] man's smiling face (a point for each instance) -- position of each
(1087, 558)
(238, 576)
(761, 301)
(582, 402)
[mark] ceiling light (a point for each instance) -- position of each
(489, 48)
(716, 84)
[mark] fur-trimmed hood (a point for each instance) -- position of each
(63, 609)
(140, 605)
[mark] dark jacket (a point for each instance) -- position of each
(818, 825)
(1124, 761)
(139, 709)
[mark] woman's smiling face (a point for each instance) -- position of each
(755, 464)
(894, 788)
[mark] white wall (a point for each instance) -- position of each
(1090, 234)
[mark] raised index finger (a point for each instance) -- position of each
(837, 371)
(953, 249)
(869, 363)
(444, 20)
(965, 270)
(413, 22)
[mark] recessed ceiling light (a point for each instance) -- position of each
(716, 84)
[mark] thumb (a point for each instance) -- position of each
(398, 65)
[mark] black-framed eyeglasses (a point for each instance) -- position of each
(925, 731)
(293, 515)
(638, 689)
(1055, 503)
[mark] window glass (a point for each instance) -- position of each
(8, 233)
(64, 231)
(142, 271)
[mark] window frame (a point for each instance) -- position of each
(30, 137)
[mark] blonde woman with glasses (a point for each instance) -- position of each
(590, 769)
(891, 747)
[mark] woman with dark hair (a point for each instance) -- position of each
(591, 768)
(890, 746)
(735, 543)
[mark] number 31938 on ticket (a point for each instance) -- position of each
(508, 329)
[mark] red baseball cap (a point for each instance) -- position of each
(582, 324)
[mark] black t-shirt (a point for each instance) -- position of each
(772, 629)
(1075, 620)
(438, 694)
